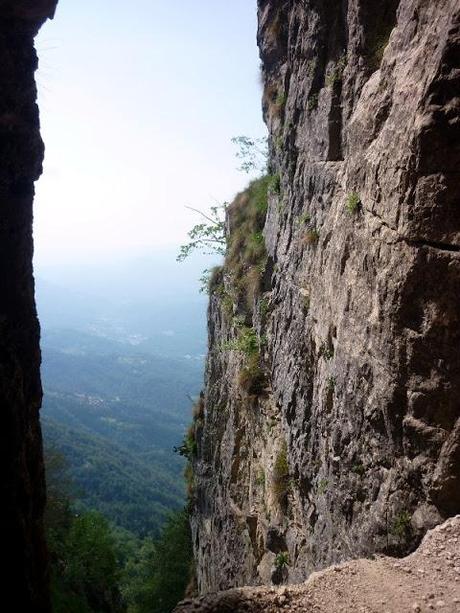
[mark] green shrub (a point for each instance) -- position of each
(239, 321)
(207, 236)
(251, 378)
(322, 486)
(244, 249)
(258, 238)
(401, 524)
(247, 341)
(282, 559)
(188, 448)
(353, 203)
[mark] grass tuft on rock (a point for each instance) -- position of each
(281, 476)
(246, 255)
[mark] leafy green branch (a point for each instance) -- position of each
(253, 152)
(208, 236)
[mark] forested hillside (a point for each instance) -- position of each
(98, 567)
(116, 417)
(135, 494)
(119, 380)
(118, 387)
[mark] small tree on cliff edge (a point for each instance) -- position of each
(209, 235)
(253, 153)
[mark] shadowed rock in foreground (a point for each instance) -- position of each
(22, 495)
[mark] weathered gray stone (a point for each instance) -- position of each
(362, 104)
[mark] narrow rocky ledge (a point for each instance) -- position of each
(428, 580)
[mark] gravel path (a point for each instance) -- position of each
(427, 580)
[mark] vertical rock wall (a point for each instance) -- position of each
(354, 444)
(25, 580)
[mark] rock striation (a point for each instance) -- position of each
(25, 576)
(329, 426)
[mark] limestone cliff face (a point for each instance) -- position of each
(346, 440)
(21, 151)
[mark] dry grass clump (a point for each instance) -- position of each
(246, 255)
(215, 278)
(243, 270)
(274, 99)
(311, 237)
(270, 94)
(275, 28)
(252, 378)
(198, 409)
(189, 481)
(281, 476)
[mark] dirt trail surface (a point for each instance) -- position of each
(427, 580)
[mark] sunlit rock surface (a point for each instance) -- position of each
(359, 308)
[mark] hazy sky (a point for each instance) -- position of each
(139, 101)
